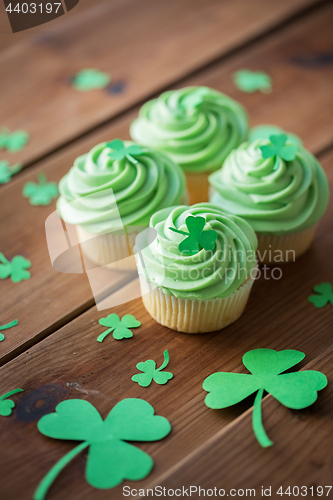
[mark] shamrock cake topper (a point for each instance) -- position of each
(121, 328)
(323, 296)
(16, 268)
(111, 459)
(194, 98)
(119, 151)
(251, 81)
(5, 327)
(279, 148)
(197, 238)
(7, 171)
(150, 372)
(41, 193)
(13, 141)
(7, 405)
(294, 390)
(90, 79)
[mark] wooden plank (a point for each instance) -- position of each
(72, 364)
(36, 94)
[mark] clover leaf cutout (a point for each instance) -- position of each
(119, 151)
(7, 405)
(195, 98)
(197, 238)
(90, 79)
(324, 295)
(42, 193)
(7, 171)
(279, 148)
(5, 327)
(111, 459)
(16, 268)
(293, 390)
(251, 81)
(150, 372)
(120, 327)
(13, 141)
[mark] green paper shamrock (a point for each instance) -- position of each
(194, 98)
(293, 390)
(13, 141)
(119, 151)
(250, 81)
(197, 237)
(279, 148)
(119, 327)
(5, 327)
(42, 193)
(150, 372)
(90, 79)
(6, 405)
(324, 295)
(265, 131)
(111, 459)
(16, 268)
(7, 171)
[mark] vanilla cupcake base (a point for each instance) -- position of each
(286, 248)
(195, 316)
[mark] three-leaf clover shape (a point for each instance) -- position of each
(194, 98)
(41, 193)
(90, 79)
(110, 458)
(324, 295)
(120, 327)
(119, 151)
(251, 81)
(7, 171)
(16, 268)
(7, 405)
(150, 372)
(279, 148)
(5, 327)
(13, 141)
(294, 390)
(197, 238)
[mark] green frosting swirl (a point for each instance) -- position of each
(139, 189)
(207, 274)
(197, 134)
(273, 195)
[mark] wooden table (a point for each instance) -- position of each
(150, 46)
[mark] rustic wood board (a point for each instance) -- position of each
(35, 90)
(72, 364)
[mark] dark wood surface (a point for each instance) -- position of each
(53, 353)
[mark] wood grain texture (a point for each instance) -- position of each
(72, 364)
(145, 45)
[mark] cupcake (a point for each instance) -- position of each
(197, 274)
(111, 192)
(279, 188)
(197, 127)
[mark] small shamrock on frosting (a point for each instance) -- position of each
(194, 98)
(111, 459)
(150, 372)
(121, 328)
(251, 81)
(13, 141)
(279, 148)
(5, 327)
(7, 171)
(42, 193)
(90, 79)
(293, 390)
(324, 295)
(196, 237)
(120, 151)
(16, 268)
(7, 405)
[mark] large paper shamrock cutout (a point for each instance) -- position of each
(13, 141)
(196, 237)
(250, 81)
(42, 193)
(194, 98)
(294, 390)
(119, 151)
(279, 148)
(7, 405)
(16, 268)
(90, 79)
(150, 372)
(5, 327)
(111, 459)
(7, 171)
(324, 295)
(119, 327)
